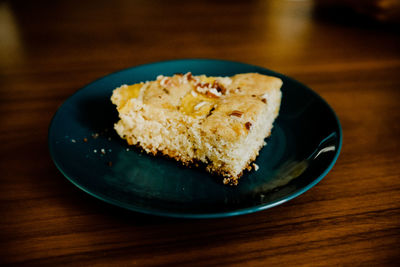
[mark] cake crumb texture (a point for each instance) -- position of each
(219, 121)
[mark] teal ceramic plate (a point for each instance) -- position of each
(303, 147)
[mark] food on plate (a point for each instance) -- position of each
(218, 122)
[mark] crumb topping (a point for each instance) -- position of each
(214, 89)
(199, 105)
(189, 77)
(248, 125)
(207, 89)
(164, 81)
(236, 113)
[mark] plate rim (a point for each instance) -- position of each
(241, 211)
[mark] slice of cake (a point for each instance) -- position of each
(219, 121)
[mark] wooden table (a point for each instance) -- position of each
(48, 50)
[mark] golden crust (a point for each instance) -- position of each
(255, 83)
(230, 127)
(167, 93)
(225, 109)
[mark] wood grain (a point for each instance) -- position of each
(50, 49)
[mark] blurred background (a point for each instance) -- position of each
(56, 47)
(110, 35)
(345, 50)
